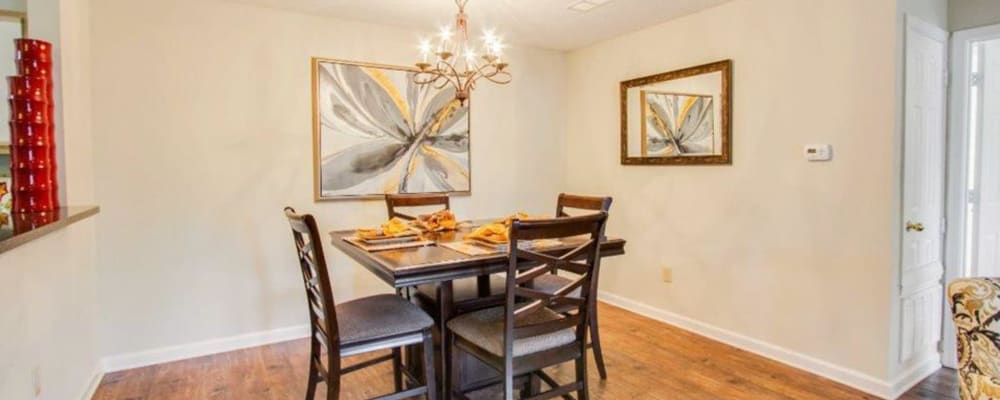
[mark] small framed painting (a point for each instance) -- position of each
(677, 124)
(375, 132)
(680, 117)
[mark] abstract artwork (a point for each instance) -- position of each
(375, 131)
(677, 125)
(679, 117)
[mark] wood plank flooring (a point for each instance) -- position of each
(943, 385)
(646, 360)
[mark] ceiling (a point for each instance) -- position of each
(541, 23)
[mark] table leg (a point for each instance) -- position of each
(446, 308)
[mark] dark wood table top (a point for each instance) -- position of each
(431, 264)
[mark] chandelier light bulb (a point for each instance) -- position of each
(455, 61)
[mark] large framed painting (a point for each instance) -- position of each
(375, 131)
(678, 118)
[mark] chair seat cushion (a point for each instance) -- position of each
(466, 289)
(379, 317)
(484, 328)
(550, 283)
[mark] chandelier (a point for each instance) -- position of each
(455, 61)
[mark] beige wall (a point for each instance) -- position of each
(964, 14)
(48, 288)
(49, 316)
(774, 248)
(202, 133)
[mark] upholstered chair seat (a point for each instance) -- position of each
(379, 317)
(484, 328)
(975, 306)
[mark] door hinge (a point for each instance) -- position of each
(944, 225)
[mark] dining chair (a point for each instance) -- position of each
(525, 335)
(376, 323)
(394, 201)
(553, 282)
(465, 292)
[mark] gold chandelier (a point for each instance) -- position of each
(454, 61)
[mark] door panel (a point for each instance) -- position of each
(923, 192)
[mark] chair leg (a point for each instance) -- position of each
(508, 378)
(595, 341)
(313, 381)
(453, 376)
(430, 379)
(581, 376)
(397, 369)
(532, 386)
(333, 388)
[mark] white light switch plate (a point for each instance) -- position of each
(818, 152)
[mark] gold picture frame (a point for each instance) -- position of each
(725, 149)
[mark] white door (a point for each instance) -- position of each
(921, 292)
(984, 193)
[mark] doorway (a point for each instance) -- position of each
(973, 246)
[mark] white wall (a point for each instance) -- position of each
(964, 14)
(202, 133)
(13, 5)
(49, 316)
(48, 288)
(797, 255)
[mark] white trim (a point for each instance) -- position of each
(95, 381)
(917, 373)
(213, 346)
(846, 376)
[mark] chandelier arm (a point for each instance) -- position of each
(491, 75)
(424, 77)
(441, 82)
(500, 78)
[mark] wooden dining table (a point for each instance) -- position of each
(436, 264)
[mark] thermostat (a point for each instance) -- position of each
(819, 152)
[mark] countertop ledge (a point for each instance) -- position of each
(22, 229)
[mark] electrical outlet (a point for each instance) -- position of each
(668, 275)
(36, 380)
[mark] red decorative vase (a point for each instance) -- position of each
(33, 167)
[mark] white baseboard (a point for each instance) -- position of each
(846, 376)
(911, 377)
(213, 346)
(95, 381)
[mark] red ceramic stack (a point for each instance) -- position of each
(33, 161)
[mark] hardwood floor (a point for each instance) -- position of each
(646, 360)
(943, 385)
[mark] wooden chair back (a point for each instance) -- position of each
(589, 203)
(393, 201)
(526, 265)
(316, 277)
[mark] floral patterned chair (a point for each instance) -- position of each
(975, 308)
